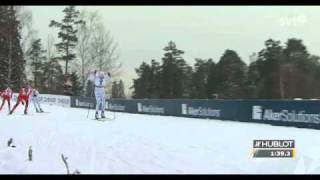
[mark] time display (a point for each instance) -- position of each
(281, 153)
(273, 153)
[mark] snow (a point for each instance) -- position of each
(145, 144)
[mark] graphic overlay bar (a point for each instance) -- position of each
(273, 149)
(273, 153)
(273, 144)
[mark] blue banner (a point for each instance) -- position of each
(299, 113)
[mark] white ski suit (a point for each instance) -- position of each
(100, 80)
(35, 99)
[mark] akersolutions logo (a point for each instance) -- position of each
(150, 109)
(259, 113)
(83, 103)
(115, 106)
(200, 111)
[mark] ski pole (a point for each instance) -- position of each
(90, 97)
(114, 113)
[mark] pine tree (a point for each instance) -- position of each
(268, 65)
(89, 89)
(299, 70)
(12, 63)
(121, 90)
(35, 53)
(232, 75)
(142, 83)
(200, 78)
(212, 82)
(76, 84)
(52, 77)
(175, 74)
(3, 48)
(114, 89)
(67, 34)
(253, 82)
(154, 78)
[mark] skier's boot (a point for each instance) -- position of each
(37, 110)
(10, 112)
(97, 116)
(41, 110)
(25, 113)
(102, 115)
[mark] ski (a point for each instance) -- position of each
(103, 119)
(43, 112)
(21, 114)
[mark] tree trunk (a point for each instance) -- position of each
(10, 49)
(67, 58)
(83, 76)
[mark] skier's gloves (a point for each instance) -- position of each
(109, 74)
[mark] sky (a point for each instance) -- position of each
(201, 31)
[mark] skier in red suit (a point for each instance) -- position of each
(6, 96)
(23, 97)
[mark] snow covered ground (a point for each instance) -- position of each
(145, 144)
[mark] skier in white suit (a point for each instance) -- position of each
(100, 80)
(35, 99)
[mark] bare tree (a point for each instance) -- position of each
(84, 35)
(51, 49)
(96, 48)
(104, 51)
(28, 34)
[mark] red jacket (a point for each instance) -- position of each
(7, 93)
(25, 93)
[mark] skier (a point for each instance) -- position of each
(23, 97)
(35, 100)
(99, 80)
(6, 96)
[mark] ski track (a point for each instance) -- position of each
(144, 144)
